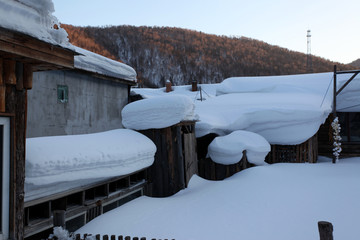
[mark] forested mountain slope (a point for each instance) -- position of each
(181, 55)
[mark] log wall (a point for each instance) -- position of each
(304, 152)
(174, 164)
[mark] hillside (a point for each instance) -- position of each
(182, 56)
(356, 63)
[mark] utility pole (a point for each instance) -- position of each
(309, 67)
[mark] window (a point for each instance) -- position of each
(350, 126)
(62, 93)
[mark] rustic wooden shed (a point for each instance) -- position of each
(175, 159)
(211, 170)
(300, 153)
(20, 56)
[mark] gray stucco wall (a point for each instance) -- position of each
(94, 105)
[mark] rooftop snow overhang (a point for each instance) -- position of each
(41, 55)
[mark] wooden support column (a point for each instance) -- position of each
(16, 104)
(2, 88)
(1, 72)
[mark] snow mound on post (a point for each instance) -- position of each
(158, 112)
(76, 157)
(229, 149)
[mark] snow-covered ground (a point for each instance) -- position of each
(278, 201)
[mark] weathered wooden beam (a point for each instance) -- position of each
(2, 98)
(325, 230)
(1, 72)
(9, 72)
(59, 218)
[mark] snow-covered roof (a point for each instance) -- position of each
(33, 18)
(283, 109)
(158, 112)
(58, 159)
(96, 63)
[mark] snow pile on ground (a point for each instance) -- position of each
(228, 149)
(158, 112)
(278, 201)
(33, 18)
(76, 157)
(93, 62)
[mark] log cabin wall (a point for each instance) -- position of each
(174, 164)
(90, 104)
(304, 152)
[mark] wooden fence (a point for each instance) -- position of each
(325, 232)
(105, 237)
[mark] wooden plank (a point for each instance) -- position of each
(33, 48)
(9, 72)
(190, 156)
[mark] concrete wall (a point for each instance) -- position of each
(94, 105)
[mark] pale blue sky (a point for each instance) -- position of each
(334, 24)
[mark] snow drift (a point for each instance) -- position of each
(75, 157)
(158, 112)
(229, 149)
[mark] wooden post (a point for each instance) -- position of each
(334, 105)
(2, 98)
(19, 70)
(28, 76)
(1, 72)
(168, 86)
(244, 160)
(9, 72)
(194, 87)
(59, 218)
(325, 230)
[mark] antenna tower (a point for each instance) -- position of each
(309, 67)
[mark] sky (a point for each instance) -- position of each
(284, 23)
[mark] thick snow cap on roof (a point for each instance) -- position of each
(33, 18)
(158, 112)
(96, 63)
(229, 149)
(88, 156)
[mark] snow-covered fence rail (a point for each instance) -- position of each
(103, 237)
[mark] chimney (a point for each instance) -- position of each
(194, 87)
(168, 86)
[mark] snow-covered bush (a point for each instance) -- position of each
(337, 138)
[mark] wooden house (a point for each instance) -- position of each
(20, 56)
(86, 99)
